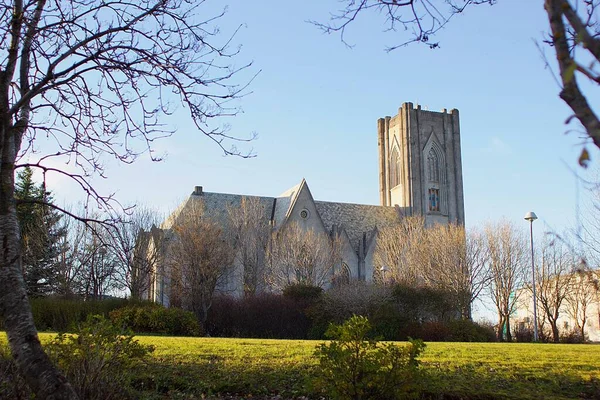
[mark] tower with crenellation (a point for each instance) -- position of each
(420, 167)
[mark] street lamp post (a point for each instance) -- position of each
(530, 216)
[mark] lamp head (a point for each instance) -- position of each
(530, 216)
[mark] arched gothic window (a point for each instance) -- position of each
(433, 166)
(436, 179)
(343, 276)
(394, 168)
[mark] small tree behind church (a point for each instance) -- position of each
(399, 250)
(250, 232)
(201, 254)
(507, 250)
(443, 257)
(302, 256)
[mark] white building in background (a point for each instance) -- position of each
(582, 302)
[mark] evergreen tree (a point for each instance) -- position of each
(40, 231)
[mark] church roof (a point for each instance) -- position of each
(216, 205)
(283, 204)
(356, 219)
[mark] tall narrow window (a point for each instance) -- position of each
(433, 166)
(436, 179)
(395, 168)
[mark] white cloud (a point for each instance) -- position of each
(498, 146)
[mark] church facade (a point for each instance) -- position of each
(420, 173)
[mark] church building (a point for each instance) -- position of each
(420, 173)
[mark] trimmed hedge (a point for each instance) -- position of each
(395, 312)
(60, 315)
(262, 316)
(156, 319)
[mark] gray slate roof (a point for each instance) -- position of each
(356, 219)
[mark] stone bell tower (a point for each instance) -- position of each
(420, 165)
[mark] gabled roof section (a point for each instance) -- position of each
(216, 205)
(284, 203)
(356, 219)
(170, 221)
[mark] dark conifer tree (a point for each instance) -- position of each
(40, 231)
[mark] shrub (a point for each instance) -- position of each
(523, 334)
(154, 318)
(357, 298)
(573, 336)
(302, 293)
(262, 316)
(425, 304)
(60, 315)
(469, 331)
(97, 359)
(353, 366)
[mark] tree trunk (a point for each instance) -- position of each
(35, 366)
(500, 332)
(555, 333)
(508, 334)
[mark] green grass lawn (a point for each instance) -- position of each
(184, 367)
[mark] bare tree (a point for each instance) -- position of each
(441, 256)
(478, 274)
(94, 77)
(582, 293)
(251, 233)
(400, 250)
(457, 264)
(421, 18)
(86, 264)
(67, 269)
(94, 262)
(553, 281)
(302, 256)
(130, 246)
(507, 261)
(200, 255)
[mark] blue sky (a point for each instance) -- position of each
(315, 105)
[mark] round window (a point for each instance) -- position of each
(304, 214)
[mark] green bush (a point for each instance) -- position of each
(154, 318)
(303, 293)
(61, 315)
(98, 358)
(396, 312)
(573, 336)
(354, 366)
(265, 315)
(469, 331)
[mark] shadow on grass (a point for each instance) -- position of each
(472, 383)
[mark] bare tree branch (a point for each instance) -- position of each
(92, 79)
(422, 18)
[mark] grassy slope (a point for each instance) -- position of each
(457, 370)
